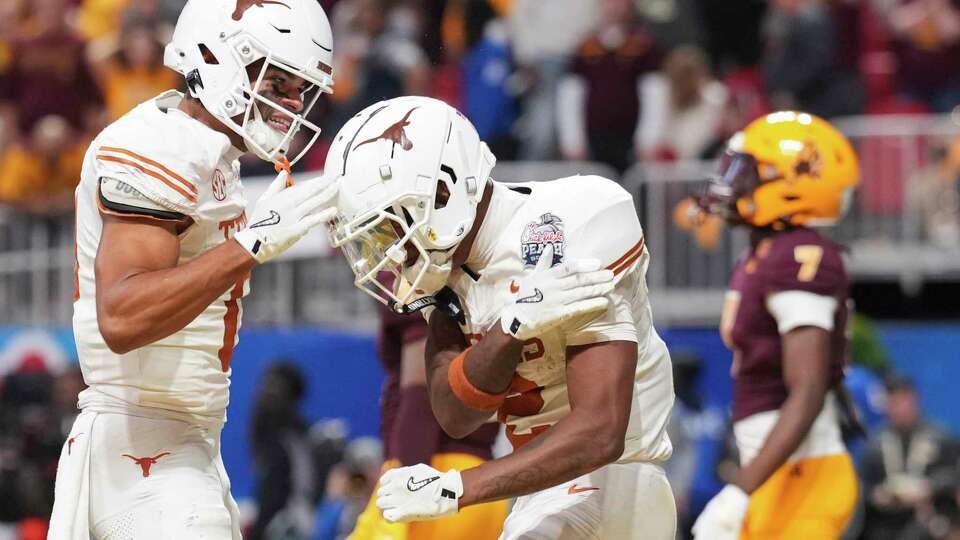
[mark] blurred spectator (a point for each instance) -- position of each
(733, 33)
(487, 73)
(934, 196)
(282, 456)
(31, 438)
(544, 35)
(39, 173)
(801, 64)
(49, 102)
(940, 517)
(864, 382)
(328, 441)
(129, 68)
(348, 488)
(376, 56)
(48, 74)
(683, 108)
(101, 18)
(12, 13)
(428, 15)
(847, 18)
(927, 46)
(598, 102)
(674, 22)
(901, 463)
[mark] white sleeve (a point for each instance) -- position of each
(571, 131)
(793, 309)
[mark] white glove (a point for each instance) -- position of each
(283, 215)
(418, 493)
(546, 297)
(723, 516)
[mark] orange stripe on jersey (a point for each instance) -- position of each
(627, 259)
(190, 197)
(230, 320)
(149, 161)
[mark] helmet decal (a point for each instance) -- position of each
(394, 133)
(244, 5)
(808, 161)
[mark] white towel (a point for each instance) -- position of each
(71, 508)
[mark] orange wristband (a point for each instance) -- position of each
(466, 392)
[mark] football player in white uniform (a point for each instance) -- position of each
(164, 248)
(539, 316)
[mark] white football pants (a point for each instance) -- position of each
(632, 501)
(123, 477)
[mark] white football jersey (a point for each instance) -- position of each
(584, 217)
(159, 161)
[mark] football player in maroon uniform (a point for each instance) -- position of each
(784, 319)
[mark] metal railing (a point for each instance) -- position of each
(889, 232)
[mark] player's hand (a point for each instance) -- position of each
(723, 516)
(283, 215)
(547, 296)
(418, 493)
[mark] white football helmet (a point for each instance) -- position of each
(293, 35)
(411, 173)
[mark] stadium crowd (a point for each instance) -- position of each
(614, 81)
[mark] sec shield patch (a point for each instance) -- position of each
(219, 186)
(537, 235)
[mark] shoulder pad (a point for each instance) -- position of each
(115, 197)
(163, 156)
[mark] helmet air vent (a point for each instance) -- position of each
(208, 57)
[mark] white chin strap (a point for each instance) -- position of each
(267, 139)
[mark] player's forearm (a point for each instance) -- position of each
(456, 419)
(489, 367)
(145, 307)
(573, 447)
(796, 416)
(491, 363)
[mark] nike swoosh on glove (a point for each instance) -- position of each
(723, 516)
(419, 493)
(283, 215)
(546, 296)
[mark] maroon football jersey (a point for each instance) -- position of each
(795, 260)
(396, 331)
